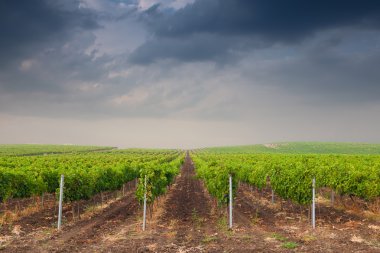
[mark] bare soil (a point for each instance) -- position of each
(187, 219)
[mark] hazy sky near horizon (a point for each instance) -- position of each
(189, 73)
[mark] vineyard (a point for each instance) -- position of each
(187, 194)
(86, 174)
(290, 176)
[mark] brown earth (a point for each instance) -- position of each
(187, 219)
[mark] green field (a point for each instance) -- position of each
(301, 148)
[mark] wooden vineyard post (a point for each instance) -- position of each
(144, 214)
(230, 204)
(60, 202)
(272, 196)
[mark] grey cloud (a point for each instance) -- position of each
(199, 47)
(62, 77)
(28, 26)
(48, 46)
(330, 72)
(44, 47)
(333, 78)
(284, 20)
(267, 21)
(56, 68)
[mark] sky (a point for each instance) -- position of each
(189, 73)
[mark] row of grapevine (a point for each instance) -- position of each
(291, 176)
(159, 174)
(85, 174)
(40, 149)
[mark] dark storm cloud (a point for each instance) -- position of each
(55, 61)
(43, 44)
(264, 21)
(28, 26)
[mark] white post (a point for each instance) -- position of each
(230, 198)
(60, 202)
(144, 215)
(313, 206)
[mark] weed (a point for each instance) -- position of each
(222, 223)
(208, 239)
(290, 245)
(279, 237)
(308, 238)
(196, 219)
(244, 237)
(256, 219)
(286, 244)
(132, 233)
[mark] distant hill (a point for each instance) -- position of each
(302, 148)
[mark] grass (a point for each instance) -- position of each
(309, 238)
(285, 241)
(132, 233)
(279, 237)
(245, 237)
(256, 219)
(290, 245)
(8, 216)
(209, 239)
(196, 219)
(222, 223)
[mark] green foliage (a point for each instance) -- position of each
(158, 174)
(216, 177)
(19, 184)
(279, 237)
(290, 245)
(78, 184)
(290, 176)
(86, 174)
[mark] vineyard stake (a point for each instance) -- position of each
(230, 216)
(313, 206)
(60, 202)
(272, 196)
(144, 215)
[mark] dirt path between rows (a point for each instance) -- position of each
(179, 222)
(187, 221)
(77, 234)
(337, 230)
